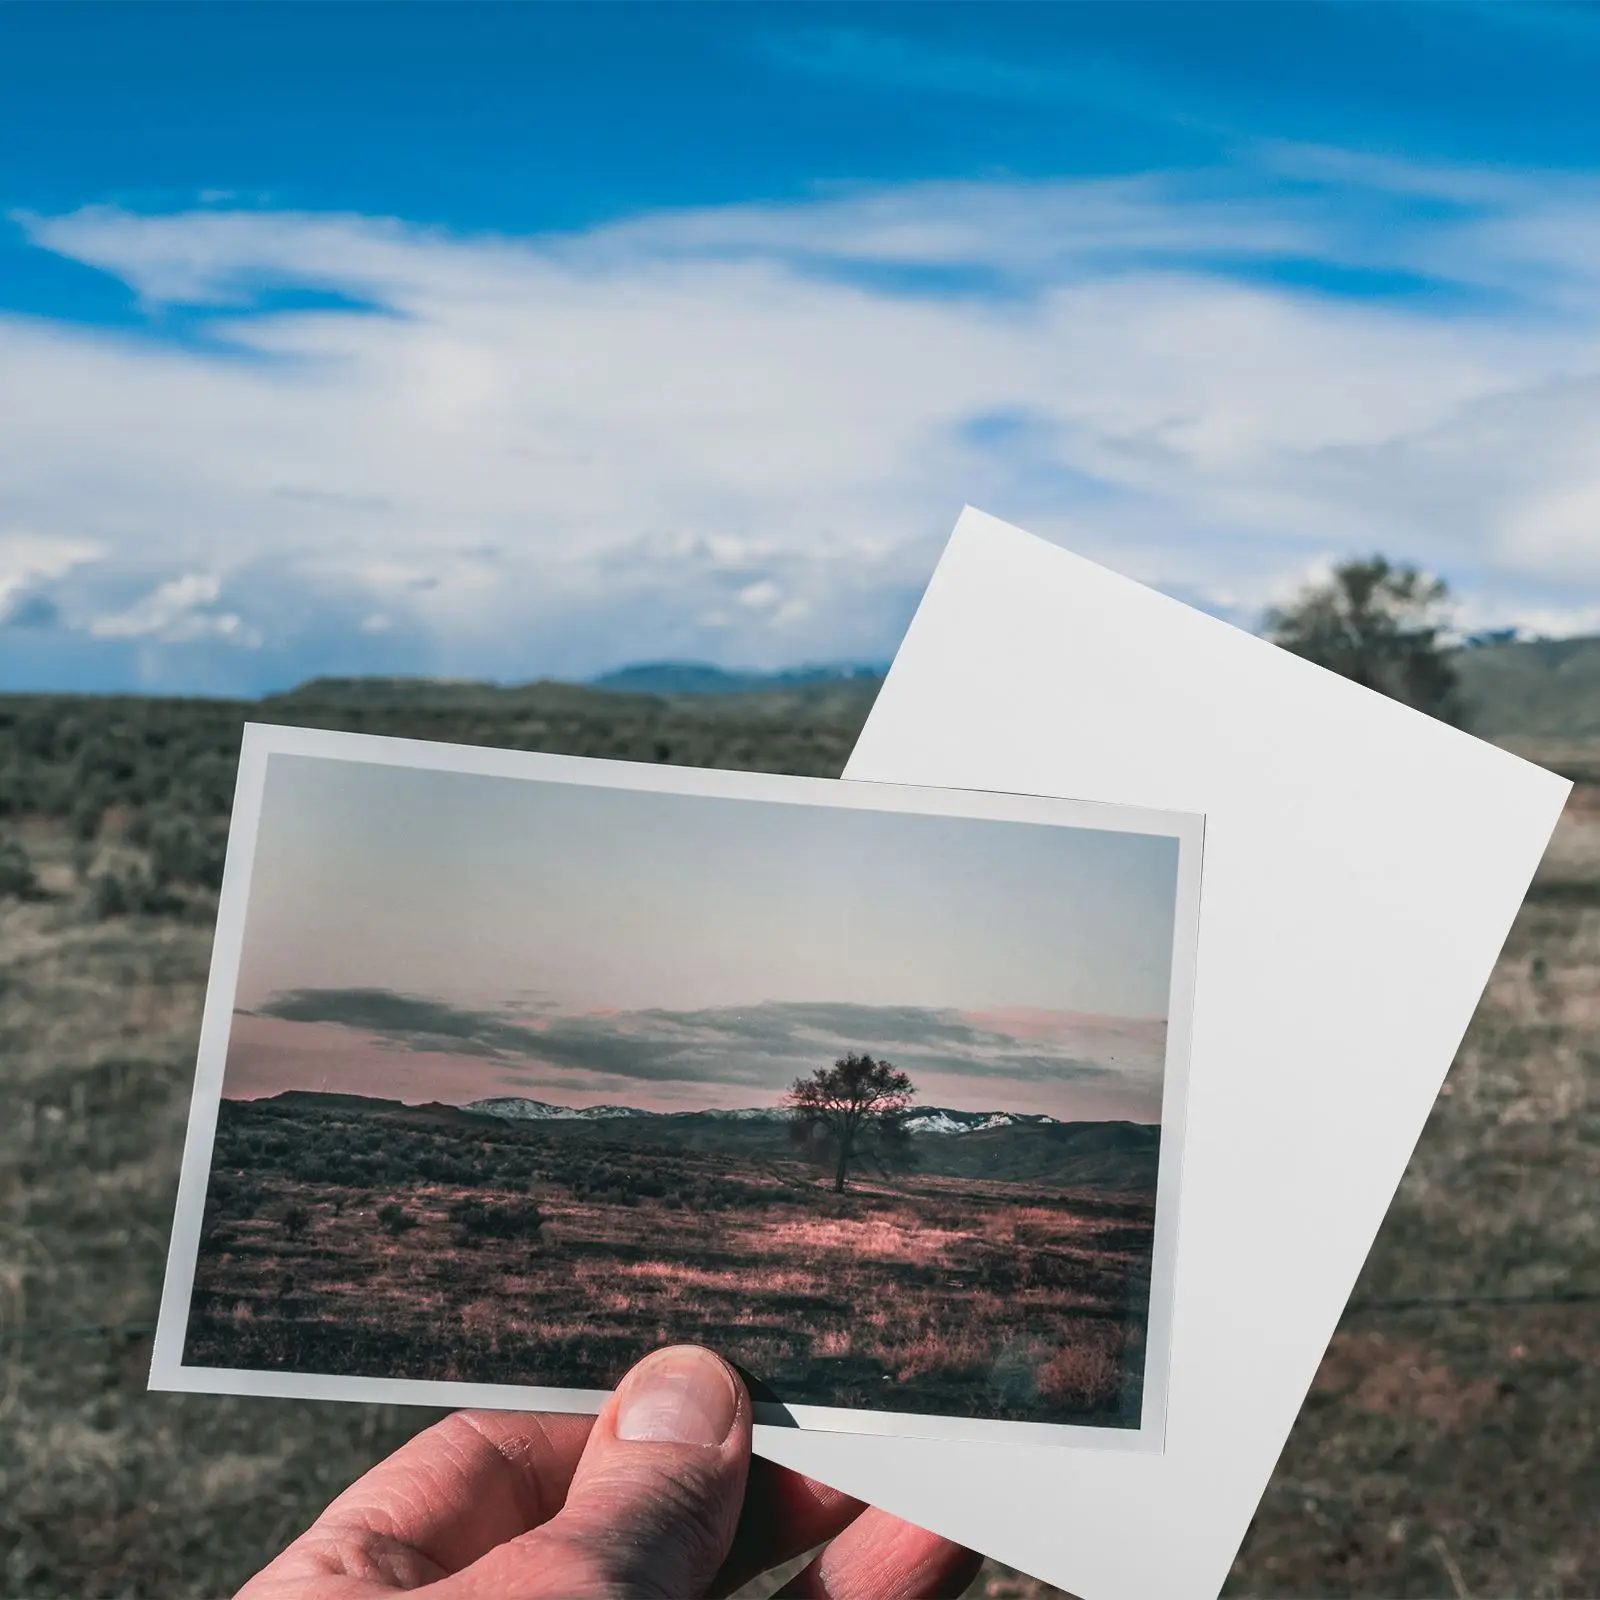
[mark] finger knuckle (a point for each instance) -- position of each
(368, 1556)
(656, 1547)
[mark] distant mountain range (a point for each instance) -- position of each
(1512, 688)
(997, 1146)
(921, 1120)
(1532, 688)
(698, 681)
(699, 677)
(1006, 1146)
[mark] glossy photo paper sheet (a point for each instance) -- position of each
(1362, 868)
(515, 1067)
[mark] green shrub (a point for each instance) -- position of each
(85, 816)
(478, 1221)
(130, 891)
(17, 877)
(394, 1220)
(111, 894)
(184, 850)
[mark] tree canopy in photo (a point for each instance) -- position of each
(854, 1108)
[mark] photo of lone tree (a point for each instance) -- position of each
(525, 1079)
(850, 1111)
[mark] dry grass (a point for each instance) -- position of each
(892, 1296)
(1442, 1451)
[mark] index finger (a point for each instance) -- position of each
(784, 1515)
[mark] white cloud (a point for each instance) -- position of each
(29, 562)
(761, 596)
(176, 612)
(27, 556)
(742, 433)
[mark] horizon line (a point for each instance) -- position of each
(640, 1111)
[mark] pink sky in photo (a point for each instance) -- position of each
(424, 935)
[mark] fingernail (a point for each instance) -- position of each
(678, 1396)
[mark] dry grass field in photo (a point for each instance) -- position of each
(1446, 1448)
(425, 1258)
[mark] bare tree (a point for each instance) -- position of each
(840, 1111)
(1380, 625)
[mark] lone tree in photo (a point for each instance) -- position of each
(1379, 625)
(840, 1111)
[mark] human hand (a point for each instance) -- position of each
(657, 1496)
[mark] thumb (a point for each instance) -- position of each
(655, 1498)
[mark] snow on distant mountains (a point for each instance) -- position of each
(923, 1119)
(516, 1109)
(933, 1119)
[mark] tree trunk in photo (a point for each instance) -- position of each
(844, 1163)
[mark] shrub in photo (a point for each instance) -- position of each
(394, 1220)
(479, 1221)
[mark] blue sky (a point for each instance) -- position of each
(507, 341)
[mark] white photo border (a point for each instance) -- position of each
(261, 741)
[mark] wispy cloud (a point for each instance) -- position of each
(741, 433)
(758, 1049)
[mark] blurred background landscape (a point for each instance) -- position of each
(1446, 1447)
(606, 379)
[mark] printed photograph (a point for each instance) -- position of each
(526, 1078)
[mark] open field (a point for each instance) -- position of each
(1446, 1448)
(552, 1257)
